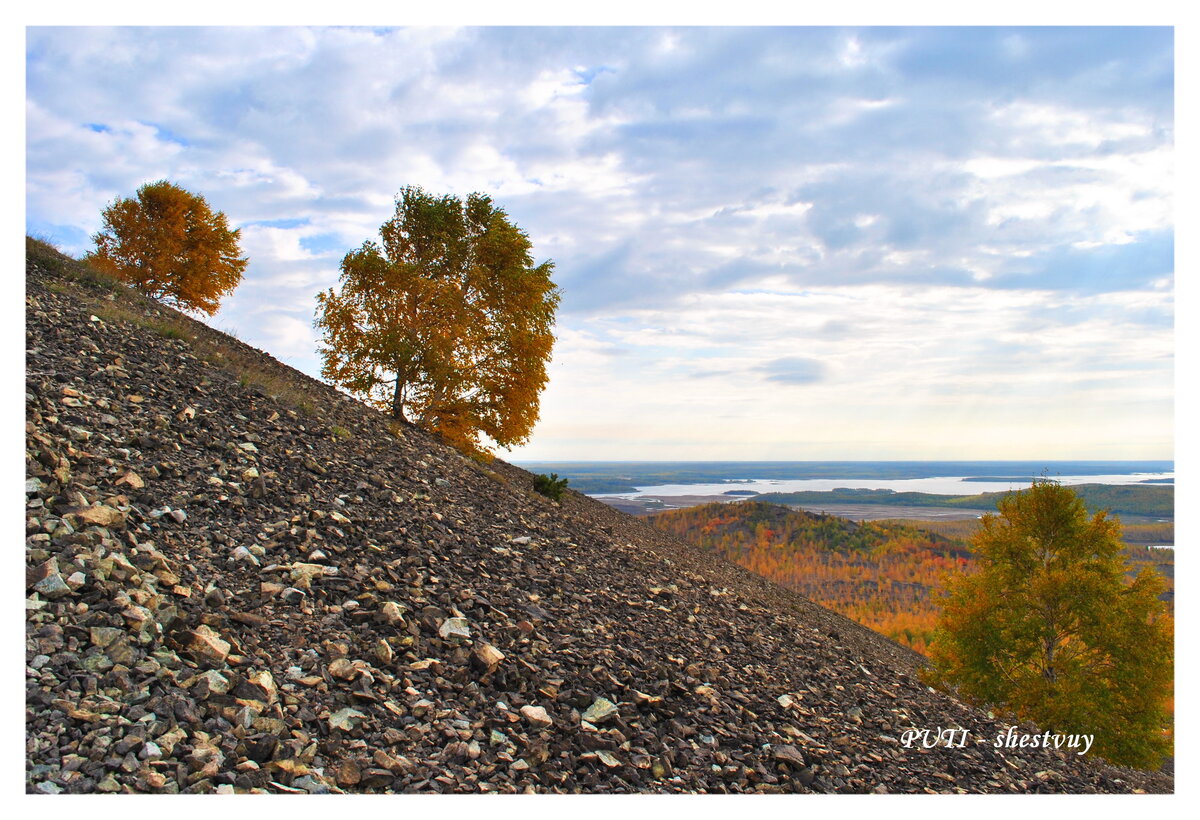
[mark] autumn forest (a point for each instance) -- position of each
(883, 574)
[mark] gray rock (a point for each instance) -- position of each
(346, 719)
(455, 628)
(241, 554)
(602, 709)
(788, 754)
(537, 716)
(52, 587)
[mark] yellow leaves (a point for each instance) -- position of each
(170, 245)
(446, 323)
(1048, 627)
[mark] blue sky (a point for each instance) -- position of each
(792, 243)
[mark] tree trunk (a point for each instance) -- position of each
(398, 401)
(1048, 672)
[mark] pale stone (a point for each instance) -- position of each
(346, 719)
(455, 628)
(601, 710)
(101, 516)
(537, 716)
(209, 645)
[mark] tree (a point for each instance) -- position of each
(550, 486)
(446, 323)
(1049, 628)
(170, 245)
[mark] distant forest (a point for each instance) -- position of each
(883, 574)
(1120, 499)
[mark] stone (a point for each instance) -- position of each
(396, 764)
(642, 699)
(607, 759)
(41, 572)
(347, 773)
(131, 480)
(455, 628)
(788, 754)
(109, 784)
(241, 554)
(487, 657)
(211, 682)
(346, 719)
(264, 682)
(52, 587)
(343, 669)
(302, 575)
(208, 645)
(602, 709)
(392, 613)
(537, 716)
(100, 515)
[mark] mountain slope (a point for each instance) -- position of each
(882, 574)
(239, 579)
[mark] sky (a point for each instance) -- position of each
(772, 243)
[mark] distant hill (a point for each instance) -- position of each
(883, 574)
(1129, 499)
(880, 573)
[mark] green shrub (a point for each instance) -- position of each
(550, 486)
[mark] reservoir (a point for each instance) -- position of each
(941, 485)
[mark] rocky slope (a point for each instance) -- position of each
(240, 580)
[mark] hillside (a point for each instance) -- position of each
(240, 580)
(881, 574)
(1138, 501)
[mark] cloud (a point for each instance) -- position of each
(906, 205)
(794, 370)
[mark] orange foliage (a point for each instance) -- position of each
(447, 323)
(882, 575)
(170, 245)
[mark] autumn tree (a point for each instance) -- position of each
(169, 244)
(1049, 628)
(446, 322)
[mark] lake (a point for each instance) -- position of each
(941, 485)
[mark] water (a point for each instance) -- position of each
(941, 485)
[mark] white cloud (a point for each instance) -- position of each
(958, 240)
